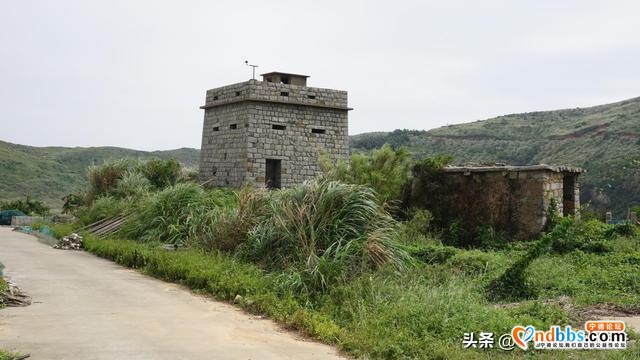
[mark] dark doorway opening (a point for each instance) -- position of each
(273, 174)
(568, 195)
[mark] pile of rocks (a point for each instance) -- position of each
(69, 242)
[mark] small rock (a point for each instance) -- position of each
(238, 299)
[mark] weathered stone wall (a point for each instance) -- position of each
(297, 145)
(515, 203)
(272, 121)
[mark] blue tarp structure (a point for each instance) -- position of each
(6, 215)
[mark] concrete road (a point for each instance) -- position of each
(85, 307)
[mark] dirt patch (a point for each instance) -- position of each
(603, 311)
(580, 315)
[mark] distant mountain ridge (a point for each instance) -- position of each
(603, 139)
(49, 173)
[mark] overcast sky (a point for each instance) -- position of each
(133, 73)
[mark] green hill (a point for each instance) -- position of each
(49, 173)
(603, 139)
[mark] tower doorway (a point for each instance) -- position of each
(273, 173)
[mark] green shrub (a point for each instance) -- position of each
(385, 170)
(513, 285)
(227, 227)
(473, 262)
(28, 206)
(103, 207)
(327, 230)
(627, 229)
(133, 184)
(419, 222)
(433, 254)
(103, 178)
(170, 215)
(162, 173)
(570, 234)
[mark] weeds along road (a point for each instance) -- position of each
(85, 307)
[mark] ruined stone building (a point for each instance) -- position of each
(271, 132)
(514, 200)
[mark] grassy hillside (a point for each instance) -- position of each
(603, 139)
(49, 173)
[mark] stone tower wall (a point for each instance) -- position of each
(291, 123)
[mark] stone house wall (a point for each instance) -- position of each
(514, 201)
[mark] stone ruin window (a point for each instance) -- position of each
(278, 127)
(311, 96)
(238, 93)
(284, 93)
(233, 126)
(215, 98)
(284, 79)
(319, 131)
(216, 128)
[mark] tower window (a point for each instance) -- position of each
(278, 127)
(311, 96)
(215, 98)
(284, 93)
(318, 131)
(216, 128)
(238, 93)
(233, 126)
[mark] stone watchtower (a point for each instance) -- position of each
(271, 133)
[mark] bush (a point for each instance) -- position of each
(327, 231)
(170, 214)
(385, 170)
(512, 285)
(225, 228)
(162, 173)
(103, 178)
(432, 254)
(627, 229)
(133, 184)
(473, 262)
(126, 178)
(103, 207)
(27, 206)
(419, 223)
(570, 234)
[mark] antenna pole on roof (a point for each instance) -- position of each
(246, 62)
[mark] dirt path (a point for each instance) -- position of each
(85, 307)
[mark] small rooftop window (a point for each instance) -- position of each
(284, 93)
(278, 127)
(318, 131)
(310, 96)
(238, 93)
(216, 128)
(215, 98)
(233, 126)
